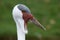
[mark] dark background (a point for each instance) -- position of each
(47, 12)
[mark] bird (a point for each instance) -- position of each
(22, 15)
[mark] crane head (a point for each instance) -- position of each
(28, 16)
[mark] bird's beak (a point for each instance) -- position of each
(38, 24)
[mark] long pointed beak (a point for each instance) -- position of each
(38, 24)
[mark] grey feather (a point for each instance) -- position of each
(24, 8)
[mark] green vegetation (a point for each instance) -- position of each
(46, 11)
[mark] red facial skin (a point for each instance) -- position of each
(27, 17)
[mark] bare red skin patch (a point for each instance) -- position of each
(27, 17)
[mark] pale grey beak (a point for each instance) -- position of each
(38, 24)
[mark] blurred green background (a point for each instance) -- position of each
(46, 11)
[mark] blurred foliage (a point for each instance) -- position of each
(46, 11)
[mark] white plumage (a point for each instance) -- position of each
(17, 15)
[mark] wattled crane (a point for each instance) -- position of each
(21, 15)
